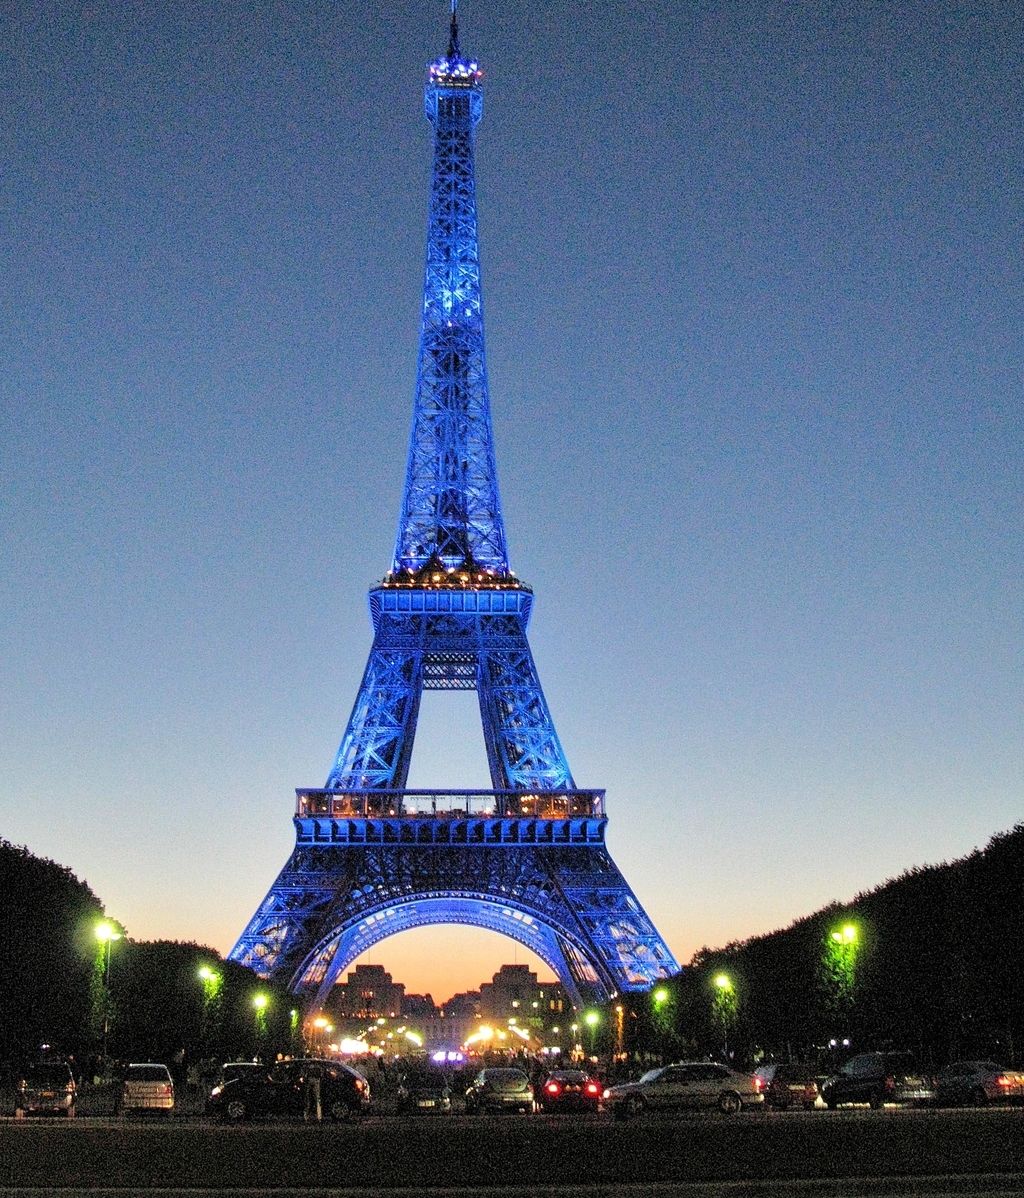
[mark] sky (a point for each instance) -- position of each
(753, 291)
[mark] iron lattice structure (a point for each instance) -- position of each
(528, 858)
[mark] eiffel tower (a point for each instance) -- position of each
(528, 858)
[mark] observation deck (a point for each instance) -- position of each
(449, 817)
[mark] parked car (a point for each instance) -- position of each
(285, 1088)
(978, 1083)
(787, 1084)
(146, 1087)
(424, 1090)
(232, 1069)
(878, 1078)
(45, 1086)
(570, 1090)
(686, 1084)
(499, 1090)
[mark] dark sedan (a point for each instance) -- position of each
(977, 1083)
(45, 1086)
(499, 1090)
(788, 1084)
(291, 1089)
(878, 1078)
(570, 1090)
(424, 1092)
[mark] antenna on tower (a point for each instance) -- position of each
(453, 35)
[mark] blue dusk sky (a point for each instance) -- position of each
(753, 283)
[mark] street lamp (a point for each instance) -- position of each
(260, 1002)
(724, 1006)
(106, 933)
(211, 981)
(839, 962)
(321, 1025)
(662, 1019)
(592, 1019)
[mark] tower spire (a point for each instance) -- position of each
(451, 512)
(453, 33)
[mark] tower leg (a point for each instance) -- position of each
(523, 749)
(377, 745)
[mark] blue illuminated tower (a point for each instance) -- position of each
(528, 858)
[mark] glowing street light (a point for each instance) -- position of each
(724, 1006)
(260, 1003)
(592, 1019)
(320, 1025)
(106, 933)
(211, 981)
(839, 961)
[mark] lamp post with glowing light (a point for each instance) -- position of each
(842, 947)
(320, 1026)
(106, 933)
(260, 1002)
(592, 1019)
(660, 1002)
(211, 982)
(724, 1006)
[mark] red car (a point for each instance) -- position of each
(570, 1090)
(788, 1085)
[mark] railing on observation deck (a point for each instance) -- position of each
(450, 804)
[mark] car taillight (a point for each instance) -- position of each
(758, 1084)
(552, 1088)
(592, 1088)
(360, 1084)
(166, 1089)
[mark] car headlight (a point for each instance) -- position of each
(215, 1091)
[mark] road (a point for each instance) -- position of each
(826, 1154)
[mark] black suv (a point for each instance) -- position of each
(287, 1088)
(877, 1078)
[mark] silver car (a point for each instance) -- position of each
(688, 1084)
(147, 1087)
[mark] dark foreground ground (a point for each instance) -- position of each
(984, 1149)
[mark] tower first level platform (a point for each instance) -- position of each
(369, 864)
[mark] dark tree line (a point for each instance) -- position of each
(47, 960)
(57, 989)
(931, 961)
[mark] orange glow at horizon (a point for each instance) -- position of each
(447, 959)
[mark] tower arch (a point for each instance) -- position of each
(567, 958)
